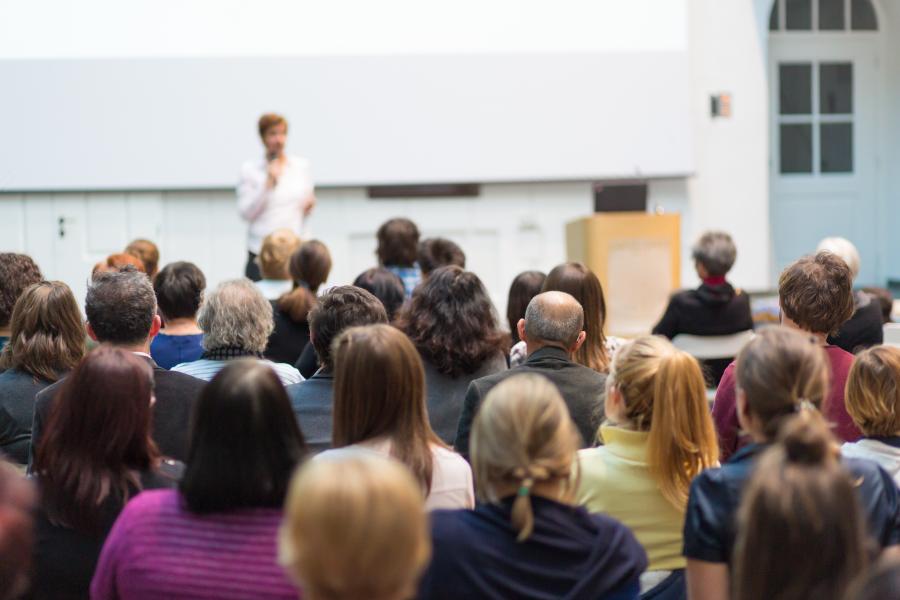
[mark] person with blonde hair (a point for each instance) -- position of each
(274, 259)
(354, 529)
(658, 437)
(526, 539)
(873, 401)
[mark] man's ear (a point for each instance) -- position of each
(155, 326)
(743, 412)
(520, 327)
(578, 342)
(90, 331)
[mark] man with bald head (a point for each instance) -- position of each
(552, 330)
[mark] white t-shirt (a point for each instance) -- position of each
(281, 206)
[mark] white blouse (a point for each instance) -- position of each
(281, 206)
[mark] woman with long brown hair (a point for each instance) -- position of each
(95, 454)
(379, 406)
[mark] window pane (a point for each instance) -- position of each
(837, 147)
(835, 88)
(798, 14)
(796, 148)
(862, 15)
(831, 15)
(773, 17)
(795, 89)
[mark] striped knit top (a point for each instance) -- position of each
(159, 549)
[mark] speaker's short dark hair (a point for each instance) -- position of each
(179, 290)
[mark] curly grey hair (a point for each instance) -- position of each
(715, 250)
(236, 314)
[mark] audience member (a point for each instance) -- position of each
(524, 287)
(236, 320)
(309, 267)
(801, 530)
(816, 297)
(439, 252)
(216, 536)
(885, 300)
(779, 373)
(338, 309)
(879, 583)
(452, 323)
(17, 272)
(873, 401)
(96, 454)
(657, 438)
(398, 249)
(47, 340)
(526, 540)
(384, 285)
(179, 291)
(552, 332)
(121, 310)
(379, 406)
(118, 262)
(274, 256)
(865, 327)
(148, 253)
(17, 501)
(355, 528)
(714, 308)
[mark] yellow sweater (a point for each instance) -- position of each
(615, 479)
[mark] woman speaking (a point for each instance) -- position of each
(274, 192)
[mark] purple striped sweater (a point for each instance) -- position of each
(158, 549)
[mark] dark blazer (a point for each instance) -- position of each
(308, 363)
(17, 392)
(865, 327)
(313, 406)
(582, 389)
(288, 338)
(176, 393)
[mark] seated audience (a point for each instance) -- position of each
(179, 293)
(338, 309)
(47, 340)
(379, 406)
(96, 453)
(384, 285)
(779, 373)
(121, 310)
(148, 253)
(118, 262)
(16, 532)
(524, 287)
(236, 321)
(398, 249)
(816, 297)
(216, 535)
(865, 328)
(17, 272)
(354, 528)
(885, 300)
(525, 539)
(273, 259)
(309, 267)
(552, 332)
(439, 252)
(453, 325)
(801, 529)
(657, 438)
(873, 401)
(714, 308)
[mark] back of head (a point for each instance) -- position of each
(522, 435)
(309, 267)
(715, 252)
(663, 392)
(580, 282)
(801, 530)
(398, 243)
(245, 442)
(816, 293)
(439, 252)
(885, 300)
(384, 285)
(179, 290)
(147, 252)
(355, 529)
(844, 249)
(379, 391)
(873, 391)
(236, 315)
(452, 322)
(553, 318)
(17, 272)
(524, 287)
(779, 370)
(47, 334)
(120, 307)
(276, 251)
(118, 262)
(340, 308)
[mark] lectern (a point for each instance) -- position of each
(637, 258)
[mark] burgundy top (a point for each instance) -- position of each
(725, 407)
(159, 549)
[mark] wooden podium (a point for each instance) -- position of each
(637, 257)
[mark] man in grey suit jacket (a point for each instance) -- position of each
(552, 331)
